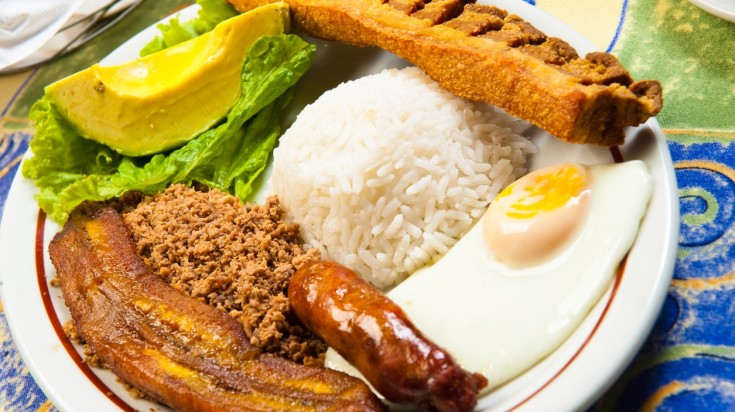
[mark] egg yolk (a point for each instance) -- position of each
(536, 216)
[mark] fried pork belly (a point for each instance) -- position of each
(481, 52)
(179, 351)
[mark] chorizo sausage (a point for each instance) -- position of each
(371, 332)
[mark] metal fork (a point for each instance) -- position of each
(96, 23)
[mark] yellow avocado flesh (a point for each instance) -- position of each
(167, 98)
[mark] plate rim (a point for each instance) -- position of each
(715, 8)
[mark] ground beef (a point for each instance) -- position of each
(238, 258)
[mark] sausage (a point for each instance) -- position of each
(371, 332)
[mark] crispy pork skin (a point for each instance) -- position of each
(481, 52)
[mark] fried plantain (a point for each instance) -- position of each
(174, 348)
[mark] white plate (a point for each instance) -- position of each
(570, 378)
(720, 8)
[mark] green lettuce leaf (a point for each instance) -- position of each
(69, 169)
(174, 32)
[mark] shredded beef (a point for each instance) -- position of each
(238, 258)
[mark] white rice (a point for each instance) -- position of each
(385, 173)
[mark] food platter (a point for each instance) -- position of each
(572, 377)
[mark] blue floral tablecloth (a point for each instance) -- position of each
(688, 362)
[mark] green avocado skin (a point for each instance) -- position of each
(163, 100)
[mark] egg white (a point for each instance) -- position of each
(500, 321)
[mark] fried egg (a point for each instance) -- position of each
(517, 285)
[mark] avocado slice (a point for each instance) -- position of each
(167, 98)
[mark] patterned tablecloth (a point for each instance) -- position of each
(688, 362)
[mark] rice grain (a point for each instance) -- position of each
(385, 173)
